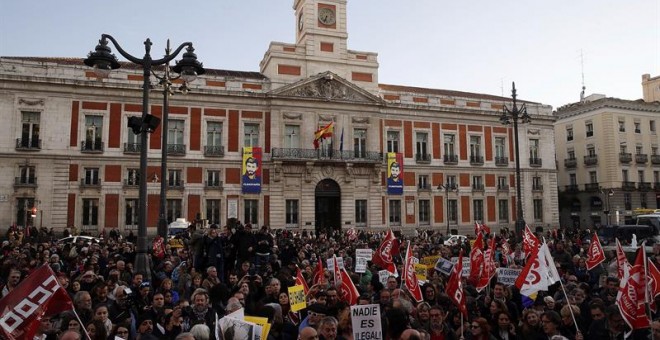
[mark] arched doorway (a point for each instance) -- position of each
(328, 206)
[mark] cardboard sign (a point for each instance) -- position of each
(383, 275)
(260, 322)
(430, 261)
(508, 276)
(297, 298)
(420, 271)
(331, 265)
(366, 322)
(361, 258)
(444, 266)
(466, 265)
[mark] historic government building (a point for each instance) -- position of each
(330, 145)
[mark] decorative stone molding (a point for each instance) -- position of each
(31, 102)
(292, 116)
(349, 173)
(277, 171)
(534, 131)
(326, 118)
(360, 120)
(309, 169)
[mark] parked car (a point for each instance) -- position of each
(454, 240)
(74, 240)
(177, 227)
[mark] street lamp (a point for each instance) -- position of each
(103, 62)
(447, 187)
(516, 113)
(166, 82)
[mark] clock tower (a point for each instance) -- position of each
(321, 45)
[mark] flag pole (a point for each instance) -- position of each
(570, 308)
(647, 303)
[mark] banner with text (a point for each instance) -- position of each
(366, 322)
(508, 276)
(297, 298)
(362, 256)
(251, 170)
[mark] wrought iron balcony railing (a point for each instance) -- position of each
(451, 159)
(176, 149)
(655, 159)
(537, 187)
(213, 184)
(641, 158)
(572, 188)
(644, 186)
(176, 184)
(326, 155)
(627, 185)
(422, 158)
(591, 187)
(25, 182)
(91, 146)
(132, 148)
(131, 182)
(570, 163)
(501, 161)
(535, 161)
(590, 160)
(214, 150)
(90, 183)
(477, 187)
(423, 187)
(29, 144)
(477, 160)
(502, 187)
(625, 157)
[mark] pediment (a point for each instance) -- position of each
(327, 86)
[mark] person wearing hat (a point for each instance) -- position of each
(145, 324)
(315, 313)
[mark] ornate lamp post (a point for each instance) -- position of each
(448, 187)
(514, 114)
(103, 62)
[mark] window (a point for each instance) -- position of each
(589, 127)
(421, 147)
(91, 176)
(637, 128)
(452, 211)
(93, 133)
(174, 178)
(175, 129)
(477, 183)
(360, 143)
(571, 154)
(361, 213)
(627, 201)
(622, 125)
(173, 210)
(292, 213)
(395, 212)
(591, 151)
(251, 134)
(424, 212)
(624, 175)
(451, 181)
(593, 177)
(656, 176)
(638, 150)
(569, 134)
(572, 179)
(534, 149)
(642, 200)
(537, 184)
(449, 145)
(131, 213)
(652, 126)
(500, 148)
(24, 211)
(28, 175)
(392, 141)
(502, 182)
(325, 145)
(478, 210)
(640, 175)
(503, 210)
(475, 146)
(214, 134)
(292, 136)
(251, 213)
(538, 210)
(623, 148)
(654, 150)
(30, 130)
(213, 178)
(132, 176)
(133, 140)
(423, 182)
(90, 213)
(213, 211)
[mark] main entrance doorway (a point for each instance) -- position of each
(327, 198)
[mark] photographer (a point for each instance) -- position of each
(123, 311)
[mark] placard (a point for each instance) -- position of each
(297, 298)
(331, 265)
(232, 208)
(361, 258)
(430, 261)
(420, 271)
(383, 275)
(508, 276)
(260, 322)
(444, 266)
(466, 265)
(366, 322)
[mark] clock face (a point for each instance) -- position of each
(327, 16)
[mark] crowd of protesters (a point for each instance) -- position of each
(215, 271)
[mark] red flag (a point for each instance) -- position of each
(319, 274)
(455, 286)
(300, 280)
(159, 247)
(489, 265)
(410, 277)
(322, 133)
(654, 280)
(632, 294)
(477, 259)
(477, 228)
(530, 241)
(383, 256)
(621, 260)
(595, 254)
(347, 288)
(36, 296)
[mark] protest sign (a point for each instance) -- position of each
(420, 271)
(507, 276)
(444, 266)
(240, 329)
(430, 261)
(466, 265)
(383, 275)
(331, 265)
(260, 322)
(361, 258)
(366, 322)
(297, 298)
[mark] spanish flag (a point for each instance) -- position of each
(322, 133)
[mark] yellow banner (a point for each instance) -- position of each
(263, 322)
(297, 298)
(420, 271)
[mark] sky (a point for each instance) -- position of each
(481, 46)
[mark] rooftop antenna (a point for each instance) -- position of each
(583, 87)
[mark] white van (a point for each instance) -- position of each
(176, 227)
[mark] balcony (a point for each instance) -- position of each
(424, 187)
(570, 163)
(655, 159)
(131, 183)
(501, 161)
(537, 188)
(132, 148)
(176, 149)
(625, 157)
(33, 144)
(644, 186)
(641, 158)
(628, 186)
(477, 187)
(590, 160)
(450, 159)
(591, 187)
(423, 158)
(535, 162)
(213, 185)
(88, 146)
(25, 182)
(90, 183)
(214, 150)
(503, 187)
(477, 160)
(656, 186)
(572, 188)
(175, 184)
(292, 154)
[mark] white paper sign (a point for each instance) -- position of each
(466, 265)
(383, 275)
(331, 265)
(361, 258)
(508, 276)
(366, 322)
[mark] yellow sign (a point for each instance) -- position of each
(420, 271)
(430, 261)
(297, 298)
(263, 322)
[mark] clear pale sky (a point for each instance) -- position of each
(476, 45)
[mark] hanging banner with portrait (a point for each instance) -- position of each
(394, 173)
(251, 170)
